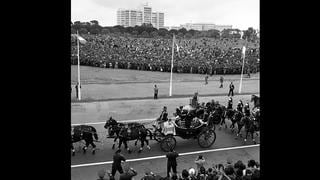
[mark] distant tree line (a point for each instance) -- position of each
(147, 31)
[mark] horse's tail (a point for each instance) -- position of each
(95, 134)
(150, 134)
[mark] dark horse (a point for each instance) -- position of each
(236, 119)
(86, 133)
(127, 132)
(256, 101)
(248, 123)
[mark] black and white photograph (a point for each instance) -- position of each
(164, 89)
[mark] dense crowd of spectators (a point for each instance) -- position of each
(228, 171)
(202, 55)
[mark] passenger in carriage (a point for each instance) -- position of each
(169, 127)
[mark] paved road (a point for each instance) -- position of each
(142, 109)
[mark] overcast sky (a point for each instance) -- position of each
(238, 13)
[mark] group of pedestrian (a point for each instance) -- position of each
(196, 55)
(228, 171)
(231, 87)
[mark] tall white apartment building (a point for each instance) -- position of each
(157, 20)
(144, 14)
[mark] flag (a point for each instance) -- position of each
(81, 39)
(241, 34)
(243, 51)
(174, 39)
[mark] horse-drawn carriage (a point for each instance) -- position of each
(204, 134)
(187, 125)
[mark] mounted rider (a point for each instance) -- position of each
(230, 104)
(246, 110)
(111, 129)
(240, 106)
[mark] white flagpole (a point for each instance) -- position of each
(79, 85)
(170, 89)
(240, 86)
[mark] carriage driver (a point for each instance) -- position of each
(164, 114)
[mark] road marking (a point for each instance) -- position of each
(124, 121)
(163, 156)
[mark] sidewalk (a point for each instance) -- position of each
(158, 166)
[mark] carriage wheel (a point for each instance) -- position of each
(217, 121)
(157, 135)
(149, 133)
(206, 138)
(214, 127)
(169, 142)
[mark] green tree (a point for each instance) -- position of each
(144, 34)
(162, 32)
(154, 34)
(94, 22)
(188, 35)
(183, 31)
(83, 31)
(135, 33)
(213, 33)
(105, 31)
(180, 34)
(173, 31)
(73, 31)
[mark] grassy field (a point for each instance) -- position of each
(101, 84)
(93, 75)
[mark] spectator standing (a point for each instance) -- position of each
(129, 172)
(172, 161)
(231, 88)
(206, 79)
(77, 87)
(200, 162)
(155, 92)
(116, 165)
(221, 82)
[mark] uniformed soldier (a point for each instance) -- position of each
(231, 88)
(246, 110)
(230, 104)
(240, 106)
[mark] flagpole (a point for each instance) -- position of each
(241, 75)
(79, 85)
(240, 86)
(170, 89)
